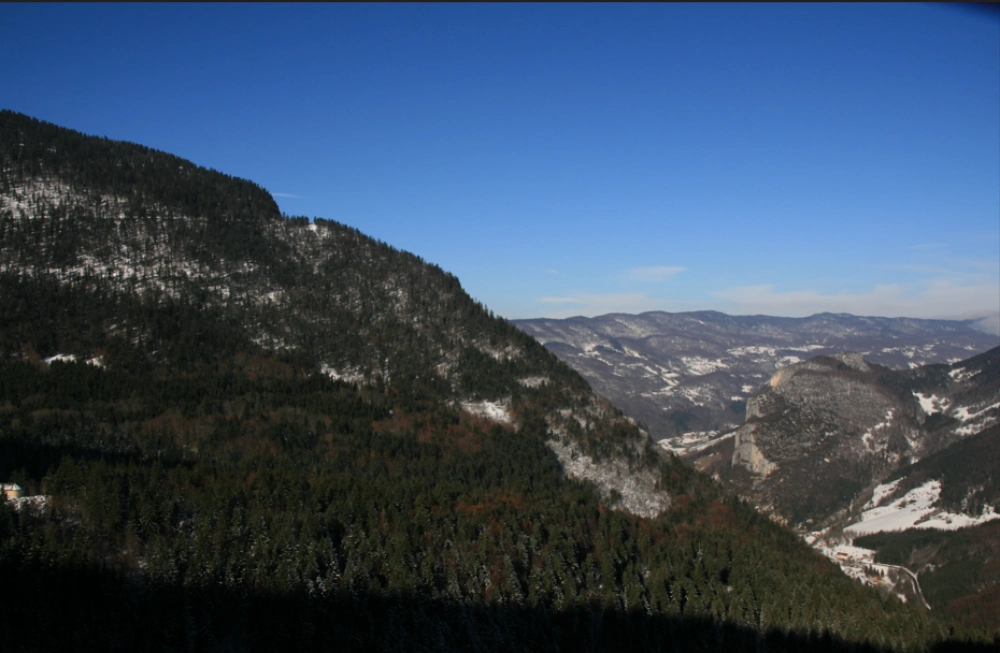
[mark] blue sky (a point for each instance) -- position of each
(577, 159)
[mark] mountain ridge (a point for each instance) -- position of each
(681, 373)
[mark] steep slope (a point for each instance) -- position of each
(681, 373)
(889, 473)
(120, 234)
(938, 517)
(241, 431)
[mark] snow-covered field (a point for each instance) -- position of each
(752, 349)
(915, 509)
(699, 366)
(664, 391)
(932, 404)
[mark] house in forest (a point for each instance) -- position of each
(12, 490)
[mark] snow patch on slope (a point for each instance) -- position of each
(348, 375)
(699, 366)
(491, 410)
(915, 509)
(932, 404)
(533, 381)
(961, 374)
(62, 358)
(975, 420)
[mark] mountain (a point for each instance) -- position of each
(880, 469)
(94, 230)
(824, 430)
(239, 430)
(691, 373)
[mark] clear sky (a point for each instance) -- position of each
(567, 159)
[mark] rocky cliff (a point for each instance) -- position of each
(824, 432)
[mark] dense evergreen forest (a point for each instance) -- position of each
(228, 511)
(210, 485)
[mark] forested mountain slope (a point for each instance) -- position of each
(116, 251)
(242, 431)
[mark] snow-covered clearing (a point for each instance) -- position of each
(961, 374)
(806, 348)
(490, 410)
(975, 422)
(964, 413)
(533, 381)
(349, 375)
(882, 491)
(695, 395)
(932, 404)
(915, 509)
(699, 366)
(665, 391)
(752, 349)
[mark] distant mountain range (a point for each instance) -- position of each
(681, 373)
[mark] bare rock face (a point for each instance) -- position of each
(816, 435)
(622, 484)
(748, 454)
(824, 431)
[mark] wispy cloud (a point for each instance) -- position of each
(559, 300)
(652, 273)
(924, 269)
(934, 299)
(297, 197)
